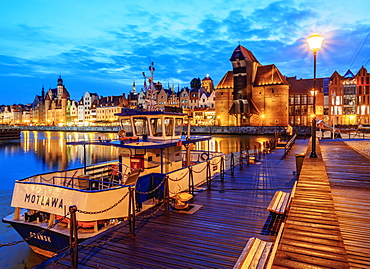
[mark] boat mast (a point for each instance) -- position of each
(150, 103)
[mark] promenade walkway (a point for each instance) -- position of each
(348, 167)
(327, 225)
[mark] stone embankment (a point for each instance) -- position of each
(194, 129)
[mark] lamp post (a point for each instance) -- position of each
(314, 43)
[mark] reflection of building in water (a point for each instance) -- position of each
(51, 150)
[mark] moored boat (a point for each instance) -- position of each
(10, 133)
(152, 150)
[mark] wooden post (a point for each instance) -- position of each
(17, 213)
(241, 158)
(73, 237)
(191, 180)
(208, 177)
(131, 211)
(222, 169)
(166, 197)
(232, 163)
(51, 219)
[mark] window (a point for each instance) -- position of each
(141, 126)
(156, 125)
(297, 99)
(178, 126)
(168, 126)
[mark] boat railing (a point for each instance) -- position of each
(80, 182)
(93, 177)
(198, 173)
(199, 155)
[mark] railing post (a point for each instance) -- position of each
(166, 197)
(241, 158)
(73, 237)
(222, 169)
(191, 180)
(131, 211)
(208, 174)
(232, 163)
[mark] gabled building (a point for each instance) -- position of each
(86, 110)
(252, 94)
(107, 108)
(349, 97)
(56, 101)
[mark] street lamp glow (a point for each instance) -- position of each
(313, 92)
(315, 42)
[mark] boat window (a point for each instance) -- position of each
(156, 125)
(126, 126)
(168, 126)
(178, 126)
(141, 126)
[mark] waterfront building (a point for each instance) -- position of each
(107, 108)
(132, 97)
(184, 98)
(141, 99)
(207, 84)
(301, 100)
(363, 96)
(86, 110)
(252, 94)
(56, 101)
(349, 97)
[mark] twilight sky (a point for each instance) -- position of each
(102, 46)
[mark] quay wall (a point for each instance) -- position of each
(304, 130)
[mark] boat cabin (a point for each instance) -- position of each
(155, 125)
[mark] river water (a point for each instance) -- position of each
(40, 152)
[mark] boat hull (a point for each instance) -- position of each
(42, 241)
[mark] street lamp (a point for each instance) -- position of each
(314, 43)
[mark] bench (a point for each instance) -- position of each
(254, 255)
(281, 201)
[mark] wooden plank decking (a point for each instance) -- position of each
(311, 237)
(349, 176)
(232, 212)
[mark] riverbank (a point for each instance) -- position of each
(194, 129)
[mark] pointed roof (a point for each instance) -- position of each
(227, 81)
(349, 74)
(242, 53)
(269, 75)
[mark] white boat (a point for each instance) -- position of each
(152, 151)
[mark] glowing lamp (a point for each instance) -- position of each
(313, 92)
(315, 42)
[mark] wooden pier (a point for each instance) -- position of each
(316, 235)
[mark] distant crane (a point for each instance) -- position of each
(150, 102)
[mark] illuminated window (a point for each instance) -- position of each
(168, 126)
(156, 125)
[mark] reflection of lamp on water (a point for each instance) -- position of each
(314, 43)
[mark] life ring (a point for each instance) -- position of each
(121, 133)
(204, 156)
